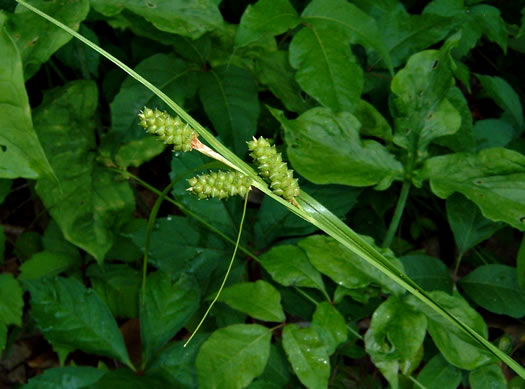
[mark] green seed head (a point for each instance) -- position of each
(172, 131)
(273, 169)
(220, 184)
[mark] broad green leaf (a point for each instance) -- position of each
(21, 154)
(11, 303)
(405, 34)
(179, 246)
(395, 335)
(273, 70)
(465, 138)
(457, 348)
(169, 73)
(439, 374)
(233, 356)
(467, 223)
(494, 179)
(495, 287)
(275, 222)
(190, 18)
(505, 96)
(490, 133)
(229, 96)
(166, 307)
(289, 266)
(326, 68)
(176, 363)
(320, 135)
(330, 325)
(308, 356)
(85, 321)
(492, 24)
(78, 56)
(344, 267)
(422, 112)
(118, 286)
(361, 295)
(357, 26)
(36, 38)
(66, 378)
(428, 272)
(265, 18)
(90, 202)
(259, 300)
(487, 377)
(47, 264)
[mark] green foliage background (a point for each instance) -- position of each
(404, 119)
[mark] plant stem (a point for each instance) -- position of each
(227, 272)
(394, 224)
(306, 296)
(456, 268)
(354, 332)
(149, 230)
(416, 382)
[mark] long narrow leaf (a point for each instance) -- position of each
(309, 209)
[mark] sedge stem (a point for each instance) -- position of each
(396, 218)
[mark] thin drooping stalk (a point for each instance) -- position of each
(226, 275)
(396, 218)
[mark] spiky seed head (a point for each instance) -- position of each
(221, 184)
(172, 131)
(272, 168)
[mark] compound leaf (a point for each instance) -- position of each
(289, 266)
(326, 69)
(166, 307)
(85, 322)
(306, 353)
(90, 202)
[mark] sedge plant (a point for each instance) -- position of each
(300, 203)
